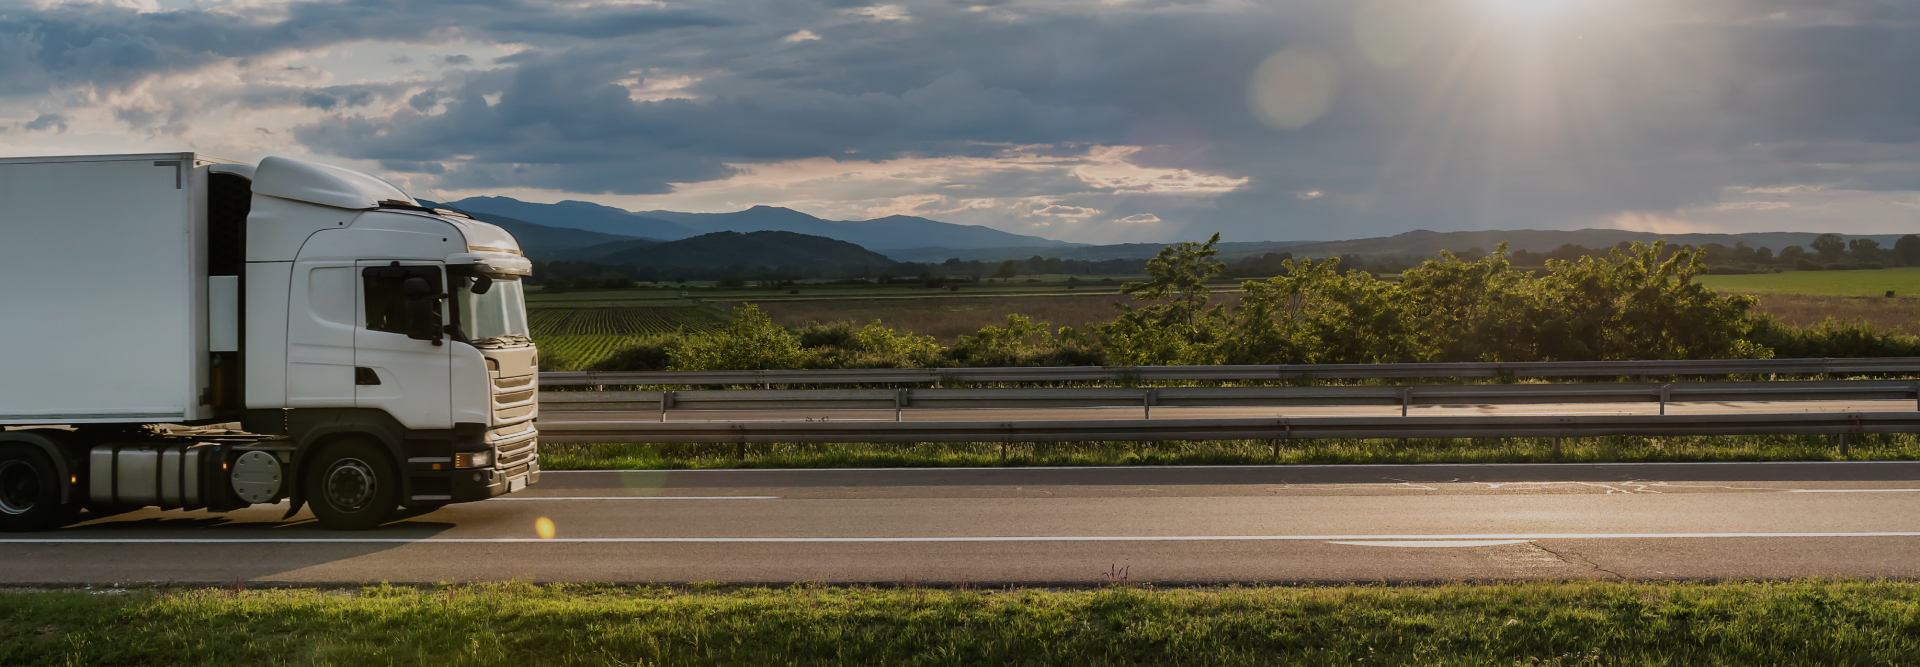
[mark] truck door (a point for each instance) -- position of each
(406, 377)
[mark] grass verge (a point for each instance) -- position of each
(1803, 622)
(1611, 449)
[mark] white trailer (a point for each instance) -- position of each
(189, 332)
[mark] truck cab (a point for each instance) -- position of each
(352, 351)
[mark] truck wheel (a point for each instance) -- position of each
(351, 485)
(29, 491)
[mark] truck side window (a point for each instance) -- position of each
(386, 301)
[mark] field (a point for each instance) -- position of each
(571, 338)
(947, 318)
(581, 327)
(1119, 623)
(1904, 281)
(1900, 314)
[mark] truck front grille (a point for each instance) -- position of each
(515, 399)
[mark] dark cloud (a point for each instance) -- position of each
(610, 24)
(46, 121)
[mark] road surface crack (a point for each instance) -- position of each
(1578, 560)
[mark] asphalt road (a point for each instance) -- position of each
(1059, 526)
(1049, 414)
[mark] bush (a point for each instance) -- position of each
(649, 355)
(1833, 338)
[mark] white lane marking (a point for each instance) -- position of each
(800, 540)
(1258, 466)
(639, 498)
(1854, 490)
(1432, 543)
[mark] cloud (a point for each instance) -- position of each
(1139, 219)
(46, 121)
(1399, 114)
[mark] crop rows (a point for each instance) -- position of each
(572, 353)
(574, 338)
(623, 321)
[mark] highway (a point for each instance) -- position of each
(1058, 526)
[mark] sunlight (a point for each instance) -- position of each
(1532, 9)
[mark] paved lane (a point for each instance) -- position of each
(1163, 412)
(1069, 525)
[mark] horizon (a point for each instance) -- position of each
(1291, 240)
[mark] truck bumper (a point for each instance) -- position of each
(481, 484)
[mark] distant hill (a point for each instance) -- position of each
(1423, 243)
(1418, 243)
(898, 231)
(1086, 252)
(894, 231)
(752, 249)
(543, 241)
(579, 215)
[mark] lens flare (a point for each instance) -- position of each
(1292, 88)
(543, 527)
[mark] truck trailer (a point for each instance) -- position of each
(189, 332)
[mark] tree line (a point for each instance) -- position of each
(1639, 302)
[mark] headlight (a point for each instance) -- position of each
(473, 460)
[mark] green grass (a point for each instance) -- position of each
(1609, 449)
(1578, 623)
(1903, 281)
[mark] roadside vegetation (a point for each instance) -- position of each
(1640, 302)
(1122, 623)
(1608, 449)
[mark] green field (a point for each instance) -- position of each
(1903, 281)
(573, 337)
(1120, 623)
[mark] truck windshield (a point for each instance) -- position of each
(496, 318)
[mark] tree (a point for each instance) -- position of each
(1864, 250)
(1908, 249)
(1180, 328)
(1792, 253)
(1830, 246)
(1007, 270)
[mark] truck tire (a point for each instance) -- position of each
(351, 485)
(30, 491)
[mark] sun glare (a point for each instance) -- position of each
(1531, 9)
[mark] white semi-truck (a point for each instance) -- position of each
(188, 332)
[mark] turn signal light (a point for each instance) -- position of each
(473, 460)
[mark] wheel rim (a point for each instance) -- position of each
(19, 487)
(350, 484)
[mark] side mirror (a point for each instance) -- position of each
(423, 315)
(481, 283)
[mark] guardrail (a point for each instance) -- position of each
(1841, 424)
(902, 400)
(1274, 372)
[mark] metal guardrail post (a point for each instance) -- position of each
(1406, 399)
(1152, 397)
(900, 400)
(1843, 444)
(666, 401)
(1666, 391)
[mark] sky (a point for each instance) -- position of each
(1096, 121)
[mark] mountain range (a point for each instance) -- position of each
(897, 231)
(582, 231)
